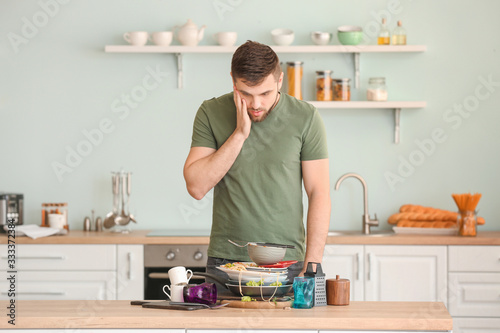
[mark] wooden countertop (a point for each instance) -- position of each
(140, 237)
(418, 316)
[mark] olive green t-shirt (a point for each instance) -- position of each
(260, 197)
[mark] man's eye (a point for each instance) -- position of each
(266, 93)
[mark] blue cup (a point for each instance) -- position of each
(303, 290)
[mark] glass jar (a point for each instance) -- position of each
(324, 88)
(342, 90)
(294, 73)
(467, 222)
(377, 90)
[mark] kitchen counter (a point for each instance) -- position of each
(140, 237)
(415, 316)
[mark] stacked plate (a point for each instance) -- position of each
(270, 276)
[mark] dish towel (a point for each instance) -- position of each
(34, 231)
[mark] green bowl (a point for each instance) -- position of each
(350, 35)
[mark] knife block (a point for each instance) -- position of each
(337, 291)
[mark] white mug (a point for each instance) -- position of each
(163, 38)
(226, 38)
(137, 38)
(57, 221)
(179, 275)
(176, 292)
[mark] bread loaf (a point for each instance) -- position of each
(426, 224)
(417, 213)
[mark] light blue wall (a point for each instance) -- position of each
(57, 82)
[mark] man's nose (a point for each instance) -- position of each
(255, 103)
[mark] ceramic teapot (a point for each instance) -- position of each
(189, 34)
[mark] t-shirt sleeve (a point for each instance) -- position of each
(202, 131)
(314, 145)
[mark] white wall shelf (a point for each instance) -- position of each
(179, 50)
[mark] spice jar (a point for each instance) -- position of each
(467, 221)
(342, 90)
(324, 88)
(377, 90)
(294, 73)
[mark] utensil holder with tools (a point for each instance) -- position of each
(319, 283)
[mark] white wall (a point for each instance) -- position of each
(57, 82)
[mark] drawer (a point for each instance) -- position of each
(476, 325)
(474, 258)
(72, 285)
(62, 257)
(474, 294)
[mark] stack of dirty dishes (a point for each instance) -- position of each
(181, 291)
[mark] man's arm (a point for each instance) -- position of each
(205, 167)
(317, 185)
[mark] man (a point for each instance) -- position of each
(255, 146)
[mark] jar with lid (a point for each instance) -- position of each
(324, 88)
(294, 73)
(342, 90)
(377, 90)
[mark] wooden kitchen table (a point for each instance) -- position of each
(362, 316)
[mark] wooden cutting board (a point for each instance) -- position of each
(258, 304)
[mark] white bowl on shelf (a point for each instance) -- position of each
(321, 38)
(283, 37)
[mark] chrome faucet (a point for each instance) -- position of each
(367, 222)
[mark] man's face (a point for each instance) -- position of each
(260, 98)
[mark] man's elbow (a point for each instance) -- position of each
(195, 192)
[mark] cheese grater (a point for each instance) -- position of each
(319, 283)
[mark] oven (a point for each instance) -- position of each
(158, 259)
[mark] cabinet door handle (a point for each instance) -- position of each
(44, 257)
(130, 258)
(369, 266)
(37, 293)
(357, 266)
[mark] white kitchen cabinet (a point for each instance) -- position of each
(476, 325)
(130, 272)
(347, 262)
(474, 288)
(62, 271)
(64, 285)
(405, 273)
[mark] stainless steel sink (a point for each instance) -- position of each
(373, 233)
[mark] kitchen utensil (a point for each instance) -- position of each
(12, 208)
(257, 304)
(337, 291)
(122, 219)
(303, 291)
(109, 221)
(321, 38)
(263, 244)
(176, 292)
(179, 275)
(189, 34)
(211, 307)
(168, 306)
(265, 255)
(204, 293)
(319, 283)
(282, 37)
(129, 190)
(349, 34)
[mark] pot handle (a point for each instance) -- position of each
(213, 277)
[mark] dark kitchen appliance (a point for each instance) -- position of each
(158, 259)
(11, 208)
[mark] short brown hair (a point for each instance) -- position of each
(253, 62)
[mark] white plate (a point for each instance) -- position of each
(425, 231)
(254, 276)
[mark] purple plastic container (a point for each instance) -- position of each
(205, 293)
